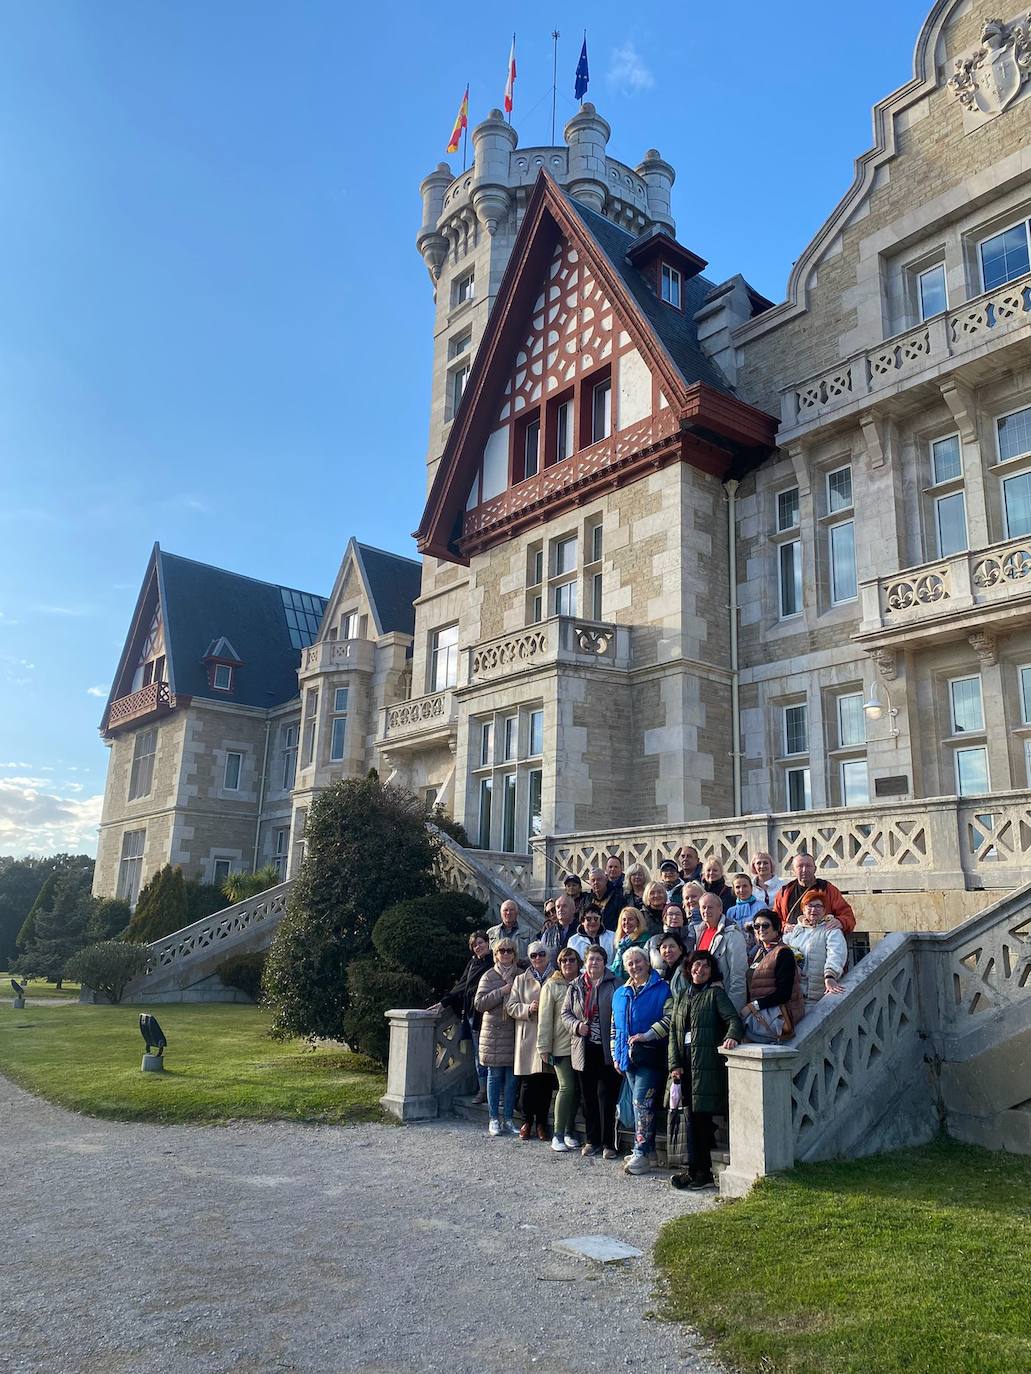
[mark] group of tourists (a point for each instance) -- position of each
(619, 1005)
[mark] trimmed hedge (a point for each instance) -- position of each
(429, 936)
(373, 988)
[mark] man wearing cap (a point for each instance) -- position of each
(669, 872)
(510, 929)
(788, 901)
(603, 898)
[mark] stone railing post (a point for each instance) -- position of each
(762, 1140)
(409, 1094)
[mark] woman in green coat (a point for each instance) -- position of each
(704, 1022)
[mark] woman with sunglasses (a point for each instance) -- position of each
(536, 1081)
(497, 1037)
(554, 1045)
(775, 1004)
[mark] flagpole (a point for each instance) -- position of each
(555, 35)
(465, 140)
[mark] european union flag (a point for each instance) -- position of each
(583, 74)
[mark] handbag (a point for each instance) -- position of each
(768, 1026)
(678, 1138)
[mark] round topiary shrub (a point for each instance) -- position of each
(107, 968)
(373, 988)
(429, 935)
(244, 972)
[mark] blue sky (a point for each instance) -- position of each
(215, 329)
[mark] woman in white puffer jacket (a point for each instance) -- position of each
(820, 943)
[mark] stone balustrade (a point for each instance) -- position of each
(418, 717)
(880, 1066)
(478, 873)
(903, 846)
(339, 655)
(951, 336)
(514, 869)
(562, 639)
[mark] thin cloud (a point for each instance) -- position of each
(96, 691)
(628, 72)
(34, 819)
(67, 611)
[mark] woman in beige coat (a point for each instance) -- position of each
(497, 1037)
(537, 1081)
(554, 1045)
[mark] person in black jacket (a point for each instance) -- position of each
(713, 881)
(460, 1001)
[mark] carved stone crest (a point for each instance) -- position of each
(989, 79)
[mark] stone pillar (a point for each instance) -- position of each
(762, 1140)
(431, 244)
(409, 1094)
(493, 142)
(587, 135)
(658, 177)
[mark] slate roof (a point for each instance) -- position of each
(202, 603)
(394, 583)
(675, 330)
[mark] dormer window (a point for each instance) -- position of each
(222, 680)
(222, 661)
(669, 283)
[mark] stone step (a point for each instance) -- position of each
(469, 1110)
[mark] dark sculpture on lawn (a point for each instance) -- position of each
(152, 1034)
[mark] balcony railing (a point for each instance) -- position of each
(905, 357)
(339, 655)
(947, 842)
(562, 639)
(148, 703)
(945, 589)
(417, 718)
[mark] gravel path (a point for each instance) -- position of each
(291, 1248)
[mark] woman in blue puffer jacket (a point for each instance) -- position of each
(641, 1011)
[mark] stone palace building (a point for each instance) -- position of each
(686, 553)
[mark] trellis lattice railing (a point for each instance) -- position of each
(465, 871)
(224, 927)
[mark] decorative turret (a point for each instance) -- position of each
(658, 177)
(493, 143)
(431, 244)
(587, 135)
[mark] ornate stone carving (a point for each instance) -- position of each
(984, 646)
(919, 589)
(988, 80)
(885, 660)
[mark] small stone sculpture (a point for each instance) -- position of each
(154, 1037)
(19, 994)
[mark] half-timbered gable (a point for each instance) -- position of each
(589, 374)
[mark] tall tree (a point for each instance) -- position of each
(161, 907)
(55, 928)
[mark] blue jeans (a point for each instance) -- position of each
(500, 1077)
(645, 1085)
(474, 1036)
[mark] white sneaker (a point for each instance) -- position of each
(494, 1128)
(508, 1129)
(638, 1164)
(572, 1143)
(559, 1145)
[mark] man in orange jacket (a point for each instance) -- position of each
(788, 901)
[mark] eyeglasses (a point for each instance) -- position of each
(507, 953)
(567, 961)
(539, 954)
(763, 925)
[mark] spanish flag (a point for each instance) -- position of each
(461, 122)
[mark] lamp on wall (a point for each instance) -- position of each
(874, 709)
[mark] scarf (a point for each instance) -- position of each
(590, 998)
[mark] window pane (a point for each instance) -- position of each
(1014, 435)
(511, 737)
(508, 813)
(1027, 760)
(1004, 256)
(1025, 694)
(799, 796)
(536, 567)
(220, 871)
(971, 772)
(531, 448)
(563, 431)
(596, 543)
(336, 744)
(486, 793)
(232, 778)
(787, 509)
(851, 721)
(444, 658)
(596, 596)
(536, 733)
(790, 578)
(1017, 498)
(534, 807)
(340, 700)
(946, 459)
(839, 489)
(951, 515)
(796, 729)
(565, 555)
(855, 783)
(932, 292)
(967, 713)
(565, 599)
(843, 562)
(486, 743)
(601, 411)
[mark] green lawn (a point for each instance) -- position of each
(36, 987)
(918, 1261)
(221, 1066)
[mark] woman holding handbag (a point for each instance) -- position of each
(775, 1004)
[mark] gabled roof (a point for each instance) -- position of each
(201, 607)
(722, 427)
(392, 583)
